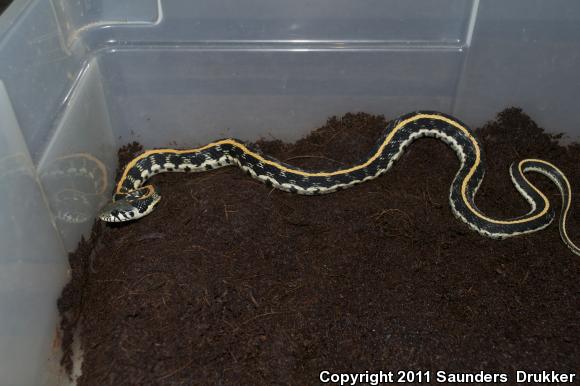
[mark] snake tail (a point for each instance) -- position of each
(134, 199)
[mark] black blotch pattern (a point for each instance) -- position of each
(158, 159)
(145, 163)
(175, 159)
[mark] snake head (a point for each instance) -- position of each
(131, 205)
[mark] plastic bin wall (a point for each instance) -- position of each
(79, 78)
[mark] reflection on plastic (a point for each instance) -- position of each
(79, 184)
(33, 264)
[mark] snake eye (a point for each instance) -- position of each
(116, 211)
(131, 206)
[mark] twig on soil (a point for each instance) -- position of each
(176, 370)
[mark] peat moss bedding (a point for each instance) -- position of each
(229, 282)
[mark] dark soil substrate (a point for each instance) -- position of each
(4, 4)
(228, 282)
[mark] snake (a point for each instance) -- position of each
(134, 199)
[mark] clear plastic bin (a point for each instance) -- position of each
(79, 78)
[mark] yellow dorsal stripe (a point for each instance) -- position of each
(373, 157)
(565, 206)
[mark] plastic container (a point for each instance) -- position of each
(79, 78)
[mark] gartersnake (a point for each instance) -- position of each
(132, 199)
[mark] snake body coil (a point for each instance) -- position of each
(132, 199)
